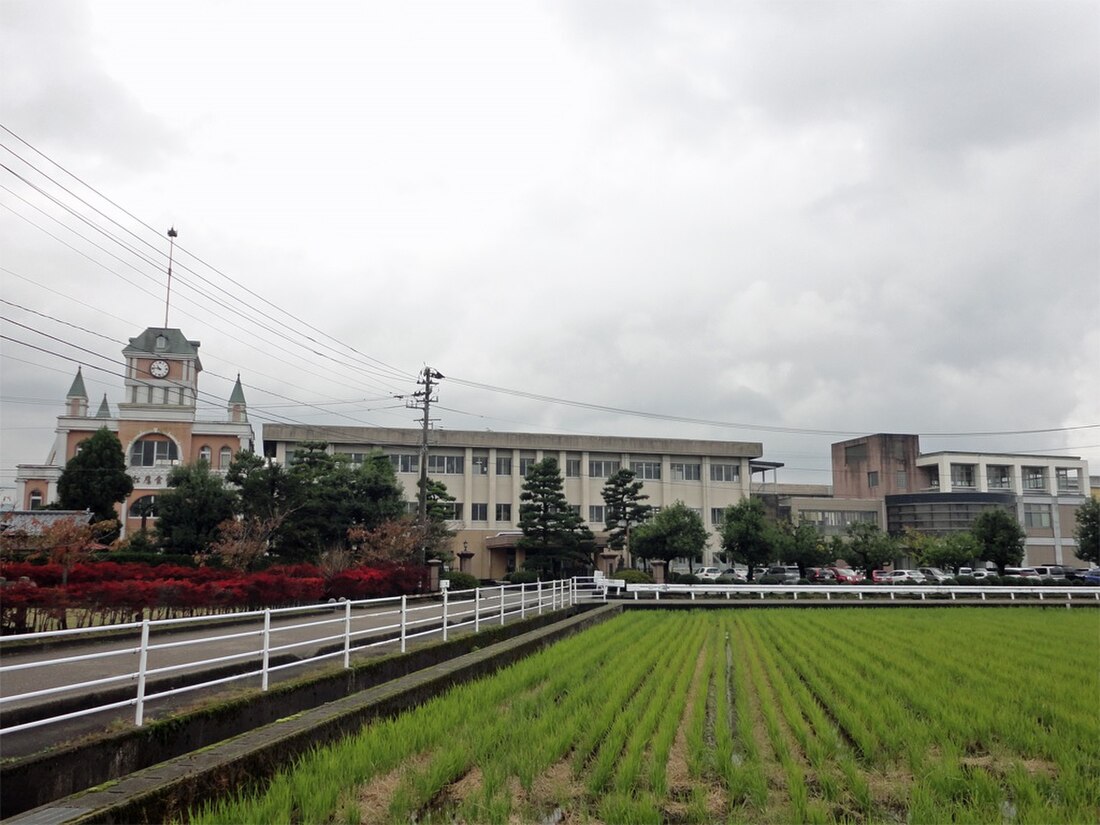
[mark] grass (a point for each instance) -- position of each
(812, 716)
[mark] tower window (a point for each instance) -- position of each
(148, 452)
(36, 499)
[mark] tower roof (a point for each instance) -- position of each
(77, 389)
(237, 396)
(175, 343)
(104, 410)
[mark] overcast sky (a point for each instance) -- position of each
(841, 218)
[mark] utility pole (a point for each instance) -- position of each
(423, 399)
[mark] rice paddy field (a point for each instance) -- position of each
(902, 715)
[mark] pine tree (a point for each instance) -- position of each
(622, 498)
(555, 538)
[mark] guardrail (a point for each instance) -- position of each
(368, 623)
(861, 590)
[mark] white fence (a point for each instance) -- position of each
(874, 591)
(348, 626)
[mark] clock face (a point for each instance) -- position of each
(158, 369)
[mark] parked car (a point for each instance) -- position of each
(880, 576)
(846, 575)
(708, 573)
(1077, 572)
(1028, 573)
(982, 574)
(934, 574)
(789, 573)
(818, 575)
(1092, 576)
(1054, 571)
(905, 577)
(734, 574)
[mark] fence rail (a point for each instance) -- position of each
(310, 630)
(879, 591)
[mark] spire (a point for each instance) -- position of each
(237, 396)
(77, 389)
(76, 402)
(237, 403)
(104, 408)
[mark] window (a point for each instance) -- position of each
(572, 468)
(504, 512)
(901, 479)
(504, 465)
(225, 456)
(603, 468)
(1036, 515)
(717, 514)
(447, 464)
(479, 512)
(646, 470)
(856, 453)
(525, 465)
(480, 463)
(962, 475)
(452, 510)
(1069, 480)
(1035, 478)
(685, 472)
(575, 509)
(596, 513)
(872, 478)
(148, 452)
(205, 453)
(36, 499)
(725, 472)
(144, 507)
(161, 343)
(998, 477)
(403, 462)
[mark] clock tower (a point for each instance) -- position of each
(162, 376)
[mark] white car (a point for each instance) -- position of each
(983, 574)
(708, 573)
(905, 577)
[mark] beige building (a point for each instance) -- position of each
(944, 492)
(485, 472)
(156, 423)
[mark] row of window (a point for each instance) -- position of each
(597, 468)
(999, 477)
(149, 452)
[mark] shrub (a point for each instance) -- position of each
(522, 577)
(770, 580)
(632, 576)
(968, 581)
(461, 581)
(683, 578)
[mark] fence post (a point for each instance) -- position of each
(267, 645)
(404, 620)
(502, 604)
(143, 662)
(347, 634)
(540, 596)
(445, 614)
(477, 610)
(522, 600)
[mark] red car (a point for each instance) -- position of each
(880, 576)
(846, 575)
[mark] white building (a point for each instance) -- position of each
(485, 472)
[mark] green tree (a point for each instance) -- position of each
(555, 539)
(329, 495)
(624, 508)
(192, 508)
(746, 535)
(265, 489)
(1000, 537)
(1087, 531)
(95, 478)
(868, 547)
(800, 544)
(436, 535)
(950, 552)
(676, 532)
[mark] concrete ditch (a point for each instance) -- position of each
(156, 773)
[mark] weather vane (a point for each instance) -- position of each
(171, 248)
